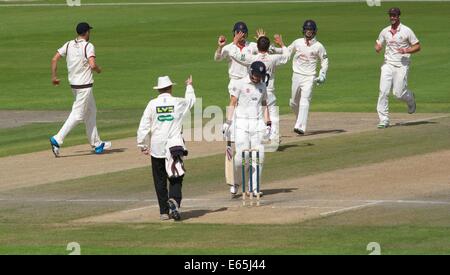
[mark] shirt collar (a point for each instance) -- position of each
(311, 42)
(164, 95)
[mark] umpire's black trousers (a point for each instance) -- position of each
(160, 180)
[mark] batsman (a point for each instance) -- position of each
(248, 106)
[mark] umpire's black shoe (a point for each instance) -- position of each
(298, 131)
(174, 211)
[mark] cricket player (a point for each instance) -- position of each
(272, 61)
(248, 106)
(80, 58)
(236, 70)
(162, 120)
(307, 53)
(400, 42)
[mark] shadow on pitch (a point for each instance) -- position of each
(321, 132)
(186, 215)
(268, 192)
(413, 123)
(88, 153)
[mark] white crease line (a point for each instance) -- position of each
(348, 209)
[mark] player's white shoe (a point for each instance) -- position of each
(383, 125)
(233, 189)
(412, 105)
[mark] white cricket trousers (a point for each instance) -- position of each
(394, 78)
(83, 110)
(301, 98)
(248, 134)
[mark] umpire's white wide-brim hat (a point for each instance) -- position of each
(163, 82)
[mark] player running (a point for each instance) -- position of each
(80, 58)
(400, 42)
(307, 53)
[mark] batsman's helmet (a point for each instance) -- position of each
(258, 68)
(310, 25)
(240, 27)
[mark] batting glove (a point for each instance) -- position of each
(268, 129)
(226, 128)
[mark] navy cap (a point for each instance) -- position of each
(395, 11)
(83, 27)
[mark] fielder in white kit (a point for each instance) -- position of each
(400, 42)
(236, 70)
(80, 58)
(248, 106)
(307, 52)
(271, 62)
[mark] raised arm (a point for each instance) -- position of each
(189, 96)
(221, 42)
(236, 54)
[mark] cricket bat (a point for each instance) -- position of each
(229, 164)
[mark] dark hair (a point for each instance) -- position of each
(263, 43)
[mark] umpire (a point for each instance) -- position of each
(160, 135)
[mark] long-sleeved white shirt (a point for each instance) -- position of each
(236, 70)
(270, 60)
(162, 120)
(306, 57)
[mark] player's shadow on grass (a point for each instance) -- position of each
(413, 123)
(186, 215)
(268, 192)
(321, 132)
(282, 148)
(88, 153)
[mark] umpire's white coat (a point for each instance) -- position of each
(162, 120)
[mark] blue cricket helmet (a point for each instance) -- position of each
(310, 25)
(240, 27)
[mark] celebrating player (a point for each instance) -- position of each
(307, 52)
(400, 42)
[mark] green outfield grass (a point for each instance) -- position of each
(28, 227)
(135, 44)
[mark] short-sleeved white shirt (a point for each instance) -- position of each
(250, 97)
(306, 56)
(77, 53)
(235, 69)
(404, 37)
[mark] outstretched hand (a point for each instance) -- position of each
(189, 80)
(278, 39)
(221, 41)
(260, 32)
